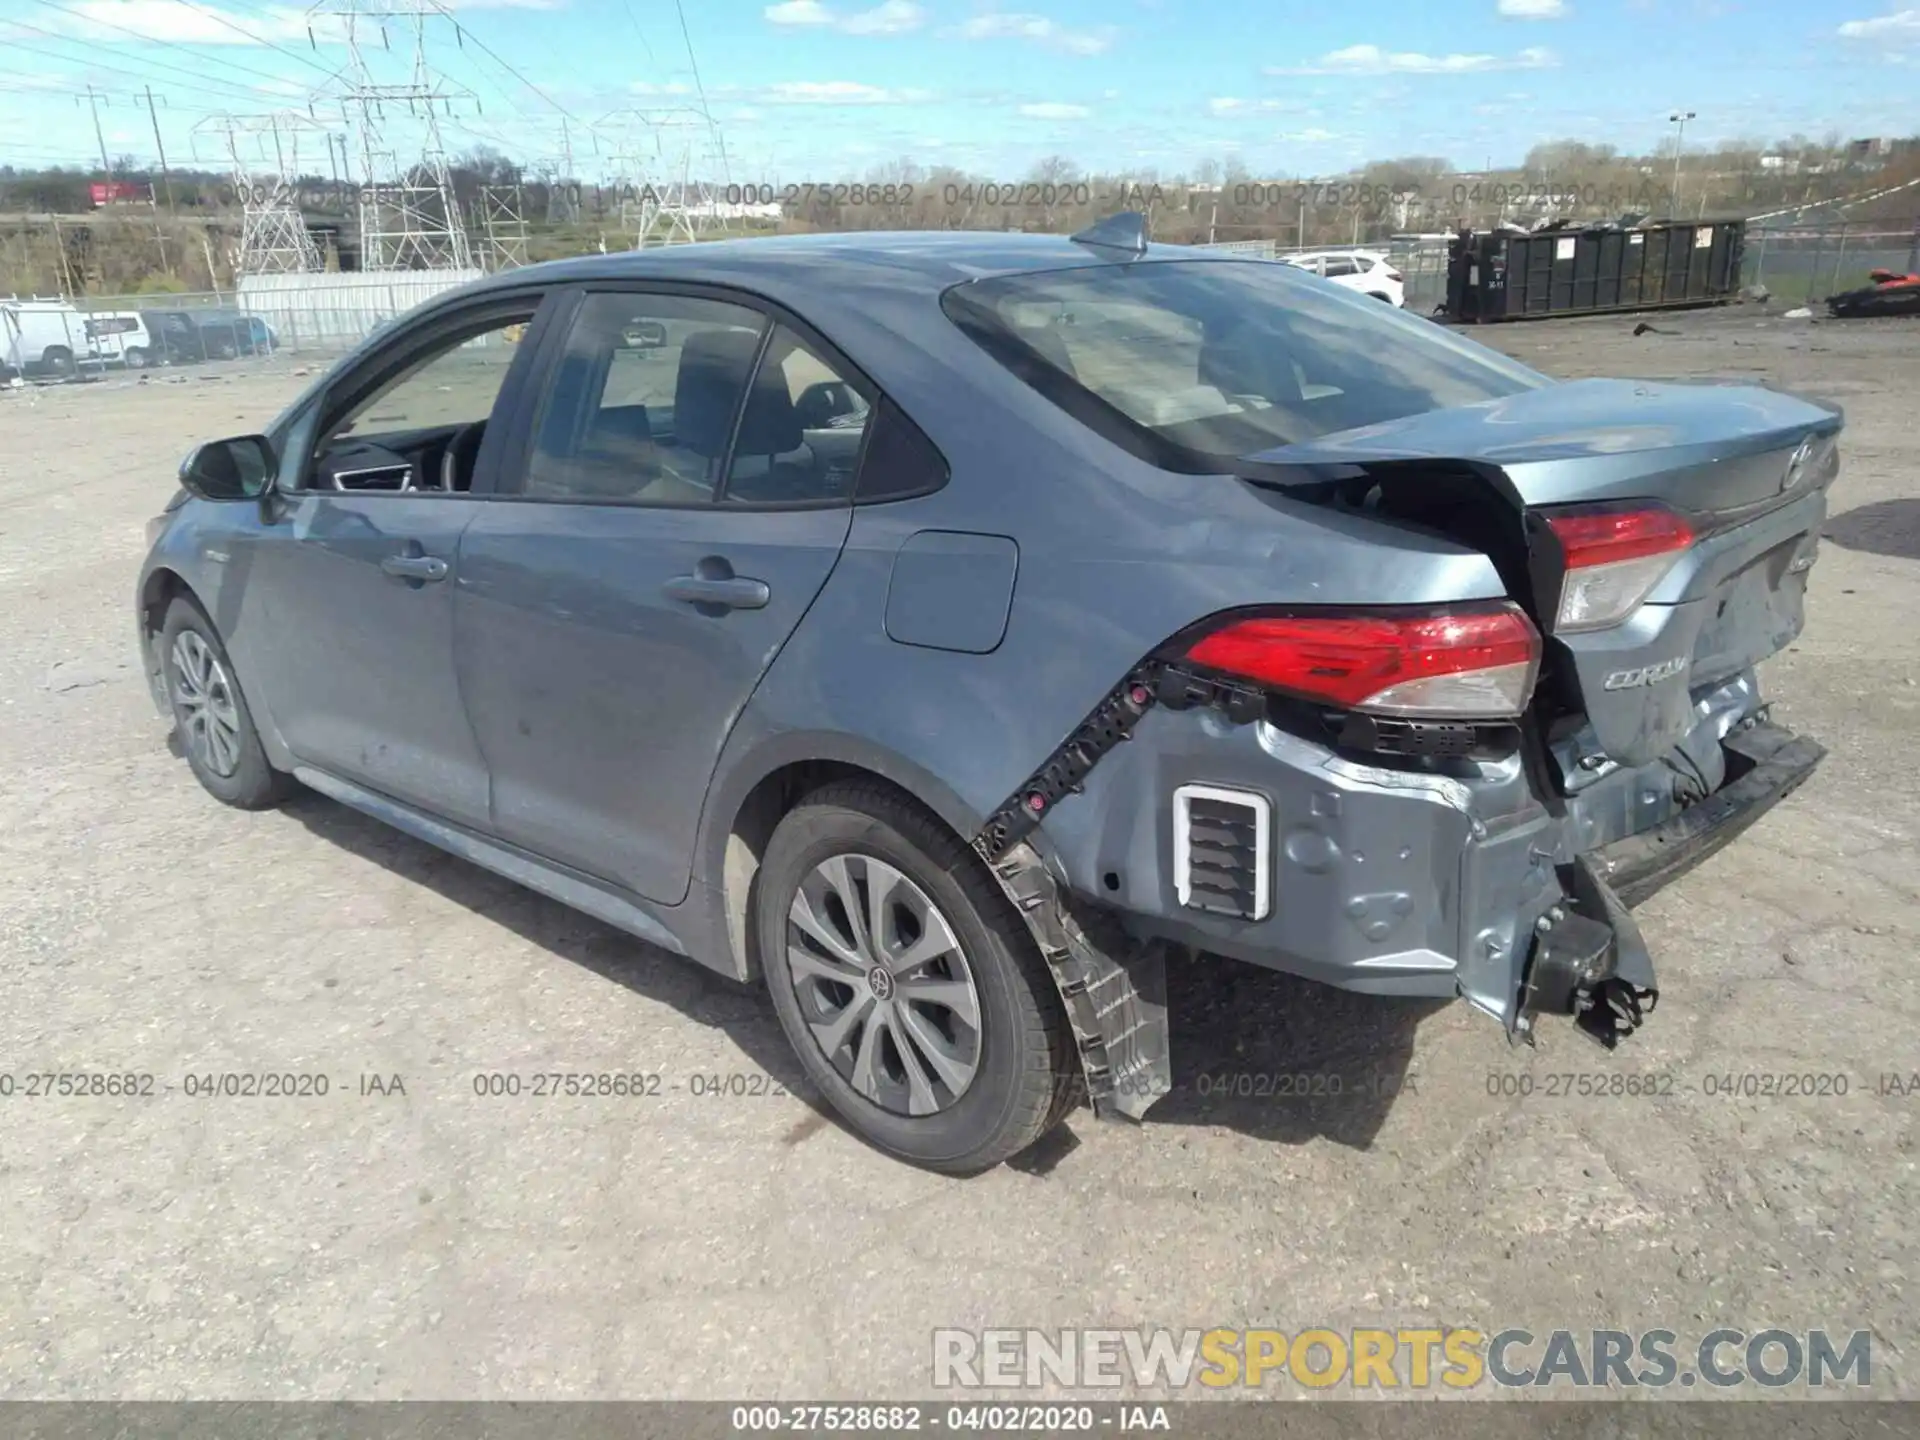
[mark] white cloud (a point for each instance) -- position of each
(1899, 27)
(650, 87)
(838, 92)
(1311, 136)
(890, 17)
(1233, 105)
(131, 21)
(1008, 25)
(799, 12)
(1535, 9)
(1055, 110)
(1372, 60)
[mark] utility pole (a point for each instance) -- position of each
(93, 103)
(1678, 118)
(166, 176)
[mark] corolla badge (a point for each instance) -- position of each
(1646, 674)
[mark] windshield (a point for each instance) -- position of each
(1194, 363)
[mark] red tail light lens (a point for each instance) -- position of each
(1395, 276)
(1469, 664)
(1614, 557)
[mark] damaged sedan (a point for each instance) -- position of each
(941, 628)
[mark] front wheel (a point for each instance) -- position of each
(210, 714)
(60, 362)
(908, 986)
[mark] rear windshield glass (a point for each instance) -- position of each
(1193, 363)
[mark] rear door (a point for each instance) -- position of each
(683, 494)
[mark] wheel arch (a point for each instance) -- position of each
(761, 790)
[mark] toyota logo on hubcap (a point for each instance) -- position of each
(880, 981)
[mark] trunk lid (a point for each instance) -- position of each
(1747, 469)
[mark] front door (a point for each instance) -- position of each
(685, 492)
(357, 580)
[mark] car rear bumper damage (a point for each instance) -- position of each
(1388, 881)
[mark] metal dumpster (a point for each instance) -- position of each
(1519, 275)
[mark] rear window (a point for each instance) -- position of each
(1192, 364)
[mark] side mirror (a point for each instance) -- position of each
(241, 468)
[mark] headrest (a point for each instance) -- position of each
(713, 369)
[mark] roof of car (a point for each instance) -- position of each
(930, 260)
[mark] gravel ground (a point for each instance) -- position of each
(416, 1240)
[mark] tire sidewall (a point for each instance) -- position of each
(813, 833)
(253, 781)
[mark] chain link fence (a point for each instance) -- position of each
(306, 317)
(1808, 261)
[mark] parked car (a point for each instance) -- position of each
(804, 642)
(1363, 270)
(188, 336)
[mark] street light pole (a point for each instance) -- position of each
(1678, 118)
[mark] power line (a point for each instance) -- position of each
(154, 40)
(92, 63)
(713, 130)
(488, 50)
(257, 39)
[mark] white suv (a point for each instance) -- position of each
(1363, 270)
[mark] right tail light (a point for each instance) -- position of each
(1613, 558)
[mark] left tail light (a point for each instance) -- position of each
(1470, 664)
(1396, 276)
(1613, 557)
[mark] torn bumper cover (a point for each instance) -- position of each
(1114, 988)
(1588, 959)
(1534, 922)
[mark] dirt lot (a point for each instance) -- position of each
(436, 1244)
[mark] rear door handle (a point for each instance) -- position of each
(732, 592)
(415, 567)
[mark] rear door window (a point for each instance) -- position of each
(641, 402)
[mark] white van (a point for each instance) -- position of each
(46, 337)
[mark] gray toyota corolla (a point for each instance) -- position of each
(941, 626)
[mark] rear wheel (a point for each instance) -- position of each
(59, 360)
(210, 714)
(906, 983)
(136, 358)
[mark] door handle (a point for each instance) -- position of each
(731, 592)
(415, 567)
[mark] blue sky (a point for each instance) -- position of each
(831, 89)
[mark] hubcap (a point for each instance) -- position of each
(209, 716)
(884, 985)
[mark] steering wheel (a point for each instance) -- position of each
(462, 450)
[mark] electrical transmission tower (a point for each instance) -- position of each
(500, 216)
(274, 239)
(663, 202)
(409, 218)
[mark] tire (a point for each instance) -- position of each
(136, 358)
(59, 360)
(226, 758)
(1024, 1073)
(224, 350)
